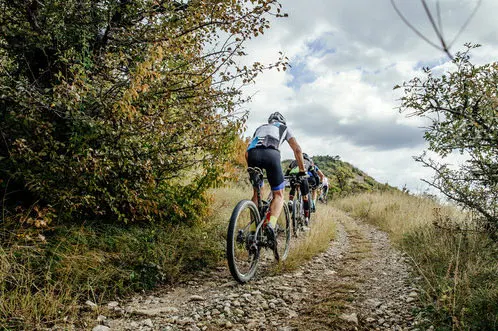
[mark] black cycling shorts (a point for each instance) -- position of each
(313, 182)
(304, 187)
(268, 159)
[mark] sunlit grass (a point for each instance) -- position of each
(396, 212)
(312, 242)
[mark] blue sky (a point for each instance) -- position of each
(346, 56)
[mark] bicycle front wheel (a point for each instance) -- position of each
(283, 233)
(242, 248)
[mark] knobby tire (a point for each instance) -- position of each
(283, 232)
(296, 207)
(241, 261)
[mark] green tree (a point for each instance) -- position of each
(462, 107)
(118, 108)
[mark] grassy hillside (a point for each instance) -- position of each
(457, 264)
(344, 178)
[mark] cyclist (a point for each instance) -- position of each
(263, 152)
(293, 169)
(316, 176)
(325, 189)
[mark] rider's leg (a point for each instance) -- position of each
(271, 159)
(276, 206)
(291, 197)
(313, 198)
(291, 193)
(306, 203)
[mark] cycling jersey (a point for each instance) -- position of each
(270, 136)
(263, 151)
(325, 181)
(294, 168)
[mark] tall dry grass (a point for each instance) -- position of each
(43, 283)
(458, 265)
(394, 212)
(316, 240)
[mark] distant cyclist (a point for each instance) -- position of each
(316, 176)
(325, 189)
(263, 152)
(304, 187)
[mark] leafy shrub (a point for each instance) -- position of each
(461, 105)
(120, 109)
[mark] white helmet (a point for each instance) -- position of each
(276, 116)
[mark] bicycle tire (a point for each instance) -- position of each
(242, 251)
(296, 214)
(310, 204)
(283, 233)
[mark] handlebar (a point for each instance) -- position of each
(295, 176)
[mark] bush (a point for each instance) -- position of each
(118, 109)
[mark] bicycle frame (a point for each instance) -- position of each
(256, 178)
(243, 243)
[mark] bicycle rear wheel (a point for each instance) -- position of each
(283, 233)
(242, 248)
(311, 210)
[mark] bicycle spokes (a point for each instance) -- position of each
(242, 246)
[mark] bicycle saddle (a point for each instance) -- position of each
(255, 175)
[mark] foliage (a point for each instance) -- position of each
(462, 107)
(120, 109)
(235, 171)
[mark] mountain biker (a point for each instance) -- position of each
(325, 188)
(263, 152)
(317, 176)
(304, 187)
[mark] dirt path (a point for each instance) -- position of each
(359, 283)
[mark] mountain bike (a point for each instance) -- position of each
(245, 243)
(296, 205)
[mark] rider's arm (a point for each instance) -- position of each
(298, 153)
(320, 173)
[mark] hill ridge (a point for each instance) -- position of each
(345, 178)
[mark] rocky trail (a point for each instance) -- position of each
(359, 283)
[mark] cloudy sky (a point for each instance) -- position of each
(346, 56)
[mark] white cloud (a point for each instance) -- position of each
(347, 55)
